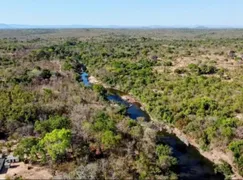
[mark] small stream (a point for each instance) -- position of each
(134, 110)
(191, 164)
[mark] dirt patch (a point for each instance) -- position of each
(129, 99)
(27, 172)
(93, 80)
(220, 61)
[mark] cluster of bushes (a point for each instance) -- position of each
(237, 148)
(4, 61)
(52, 52)
(104, 130)
(18, 107)
(202, 69)
(26, 76)
(53, 146)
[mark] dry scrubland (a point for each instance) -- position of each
(187, 79)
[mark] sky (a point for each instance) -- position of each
(123, 12)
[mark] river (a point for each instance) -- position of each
(191, 164)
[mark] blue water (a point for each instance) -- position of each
(133, 110)
(85, 79)
(117, 99)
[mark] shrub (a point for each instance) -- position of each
(45, 74)
(99, 89)
(56, 143)
(54, 122)
(167, 63)
(109, 139)
(237, 148)
(205, 69)
(25, 147)
(103, 122)
(164, 154)
(224, 168)
(180, 71)
(67, 66)
(201, 106)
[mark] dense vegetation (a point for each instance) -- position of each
(191, 84)
(49, 118)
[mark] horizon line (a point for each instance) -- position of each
(69, 26)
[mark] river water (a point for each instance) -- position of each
(191, 164)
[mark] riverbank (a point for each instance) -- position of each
(213, 155)
(125, 97)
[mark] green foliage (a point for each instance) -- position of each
(47, 93)
(54, 122)
(167, 63)
(109, 139)
(237, 148)
(136, 131)
(180, 70)
(201, 106)
(163, 150)
(56, 143)
(224, 168)
(45, 74)
(194, 68)
(103, 122)
(154, 168)
(23, 78)
(104, 130)
(203, 69)
(99, 89)
(67, 66)
(199, 101)
(17, 107)
(143, 166)
(26, 147)
(164, 154)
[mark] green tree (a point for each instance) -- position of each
(17, 107)
(164, 154)
(109, 139)
(56, 143)
(103, 122)
(224, 168)
(25, 147)
(54, 122)
(237, 148)
(99, 89)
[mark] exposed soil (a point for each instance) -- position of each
(26, 172)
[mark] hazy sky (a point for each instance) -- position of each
(122, 12)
